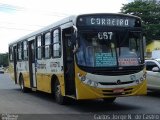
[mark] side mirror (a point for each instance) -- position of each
(144, 44)
(74, 39)
(155, 69)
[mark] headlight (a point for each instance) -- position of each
(141, 79)
(144, 75)
(95, 84)
(137, 81)
(83, 78)
(133, 77)
(87, 81)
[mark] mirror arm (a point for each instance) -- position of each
(75, 30)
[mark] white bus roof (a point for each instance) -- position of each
(63, 21)
(54, 25)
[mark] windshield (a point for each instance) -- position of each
(109, 49)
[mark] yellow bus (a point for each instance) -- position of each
(87, 56)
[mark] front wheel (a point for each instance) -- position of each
(57, 93)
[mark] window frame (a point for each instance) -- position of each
(41, 46)
(25, 57)
(44, 45)
(59, 42)
(11, 53)
(19, 51)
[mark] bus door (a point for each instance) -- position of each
(15, 62)
(32, 68)
(69, 71)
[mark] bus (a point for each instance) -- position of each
(86, 56)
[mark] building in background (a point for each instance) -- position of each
(154, 45)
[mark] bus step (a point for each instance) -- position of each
(71, 96)
(34, 89)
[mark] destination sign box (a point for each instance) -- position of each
(119, 21)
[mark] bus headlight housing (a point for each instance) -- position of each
(138, 80)
(83, 78)
(87, 81)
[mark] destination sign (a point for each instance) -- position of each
(108, 21)
(119, 21)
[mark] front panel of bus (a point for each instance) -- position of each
(110, 56)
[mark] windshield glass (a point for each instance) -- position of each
(109, 49)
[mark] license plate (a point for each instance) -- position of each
(118, 90)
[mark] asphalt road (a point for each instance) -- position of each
(37, 105)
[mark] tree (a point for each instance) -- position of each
(149, 11)
(4, 60)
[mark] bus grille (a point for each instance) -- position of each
(111, 92)
(115, 83)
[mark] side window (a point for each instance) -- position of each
(11, 53)
(150, 65)
(56, 44)
(39, 47)
(25, 49)
(19, 51)
(47, 45)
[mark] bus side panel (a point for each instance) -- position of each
(45, 70)
(39, 77)
(26, 79)
(62, 84)
(43, 76)
(11, 70)
(22, 68)
(44, 82)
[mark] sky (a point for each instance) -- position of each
(21, 17)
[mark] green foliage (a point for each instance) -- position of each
(4, 59)
(149, 11)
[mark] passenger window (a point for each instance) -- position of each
(11, 53)
(56, 44)
(39, 47)
(19, 51)
(25, 53)
(47, 45)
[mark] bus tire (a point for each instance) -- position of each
(109, 100)
(21, 83)
(57, 94)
